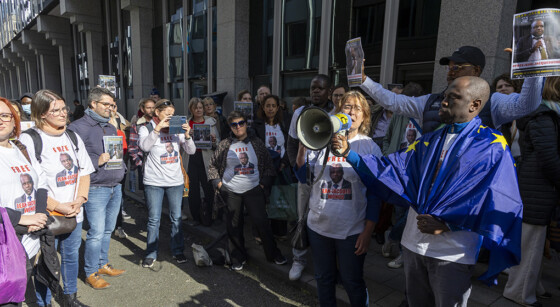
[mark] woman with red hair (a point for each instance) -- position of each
(22, 190)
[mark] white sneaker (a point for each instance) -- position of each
(125, 215)
(119, 232)
(386, 248)
(396, 263)
(296, 270)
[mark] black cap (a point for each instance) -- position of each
(466, 54)
(154, 92)
(29, 95)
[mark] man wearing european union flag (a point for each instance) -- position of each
(461, 183)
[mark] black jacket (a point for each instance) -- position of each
(539, 172)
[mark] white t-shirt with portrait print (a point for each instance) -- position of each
(18, 184)
(163, 164)
(242, 168)
(61, 164)
(337, 204)
(272, 132)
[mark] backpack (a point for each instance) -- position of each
(38, 143)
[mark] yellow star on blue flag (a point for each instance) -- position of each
(499, 139)
(412, 146)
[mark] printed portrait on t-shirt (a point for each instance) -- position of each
(337, 187)
(70, 172)
(170, 155)
(26, 202)
(244, 167)
(273, 144)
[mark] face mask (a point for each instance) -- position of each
(26, 109)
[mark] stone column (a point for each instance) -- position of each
(141, 23)
(489, 29)
(87, 16)
(30, 60)
(19, 70)
(48, 58)
(233, 43)
(58, 31)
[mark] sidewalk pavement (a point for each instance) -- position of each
(385, 285)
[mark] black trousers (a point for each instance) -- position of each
(201, 211)
(254, 202)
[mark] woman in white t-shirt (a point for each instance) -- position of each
(22, 189)
(342, 211)
(163, 174)
(66, 166)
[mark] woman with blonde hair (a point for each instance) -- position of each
(342, 211)
(201, 210)
(22, 193)
(221, 122)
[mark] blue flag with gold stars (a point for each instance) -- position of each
(475, 188)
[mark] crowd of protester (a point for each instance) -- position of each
(409, 163)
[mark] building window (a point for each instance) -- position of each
(368, 24)
(301, 26)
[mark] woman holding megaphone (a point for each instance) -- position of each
(342, 212)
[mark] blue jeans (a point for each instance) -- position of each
(102, 209)
(326, 251)
(154, 200)
(69, 254)
(401, 213)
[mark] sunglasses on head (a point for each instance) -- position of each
(240, 123)
(168, 103)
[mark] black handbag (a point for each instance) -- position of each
(299, 234)
(60, 224)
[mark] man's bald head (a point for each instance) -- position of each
(464, 99)
(477, 89)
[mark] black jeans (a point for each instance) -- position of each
(254, 201)
(201, 211)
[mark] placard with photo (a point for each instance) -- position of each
(114, 147)
(536, 44)
(201, 136)
(354, 61)
(246, 108)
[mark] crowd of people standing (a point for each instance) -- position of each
(427, 173)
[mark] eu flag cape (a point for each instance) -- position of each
(475, 189)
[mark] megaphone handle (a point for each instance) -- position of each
(338, 154)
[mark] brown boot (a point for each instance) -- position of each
(109, 270)
(96, 282)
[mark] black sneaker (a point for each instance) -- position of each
(238, 266)
(180, 258)
(546, 295)
(280, 260)
(148, 262)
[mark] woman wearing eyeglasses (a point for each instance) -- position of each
(342, 211)
(201, 210)
(241, 170)
(163, 175)
(67, 167)
(22, 190)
